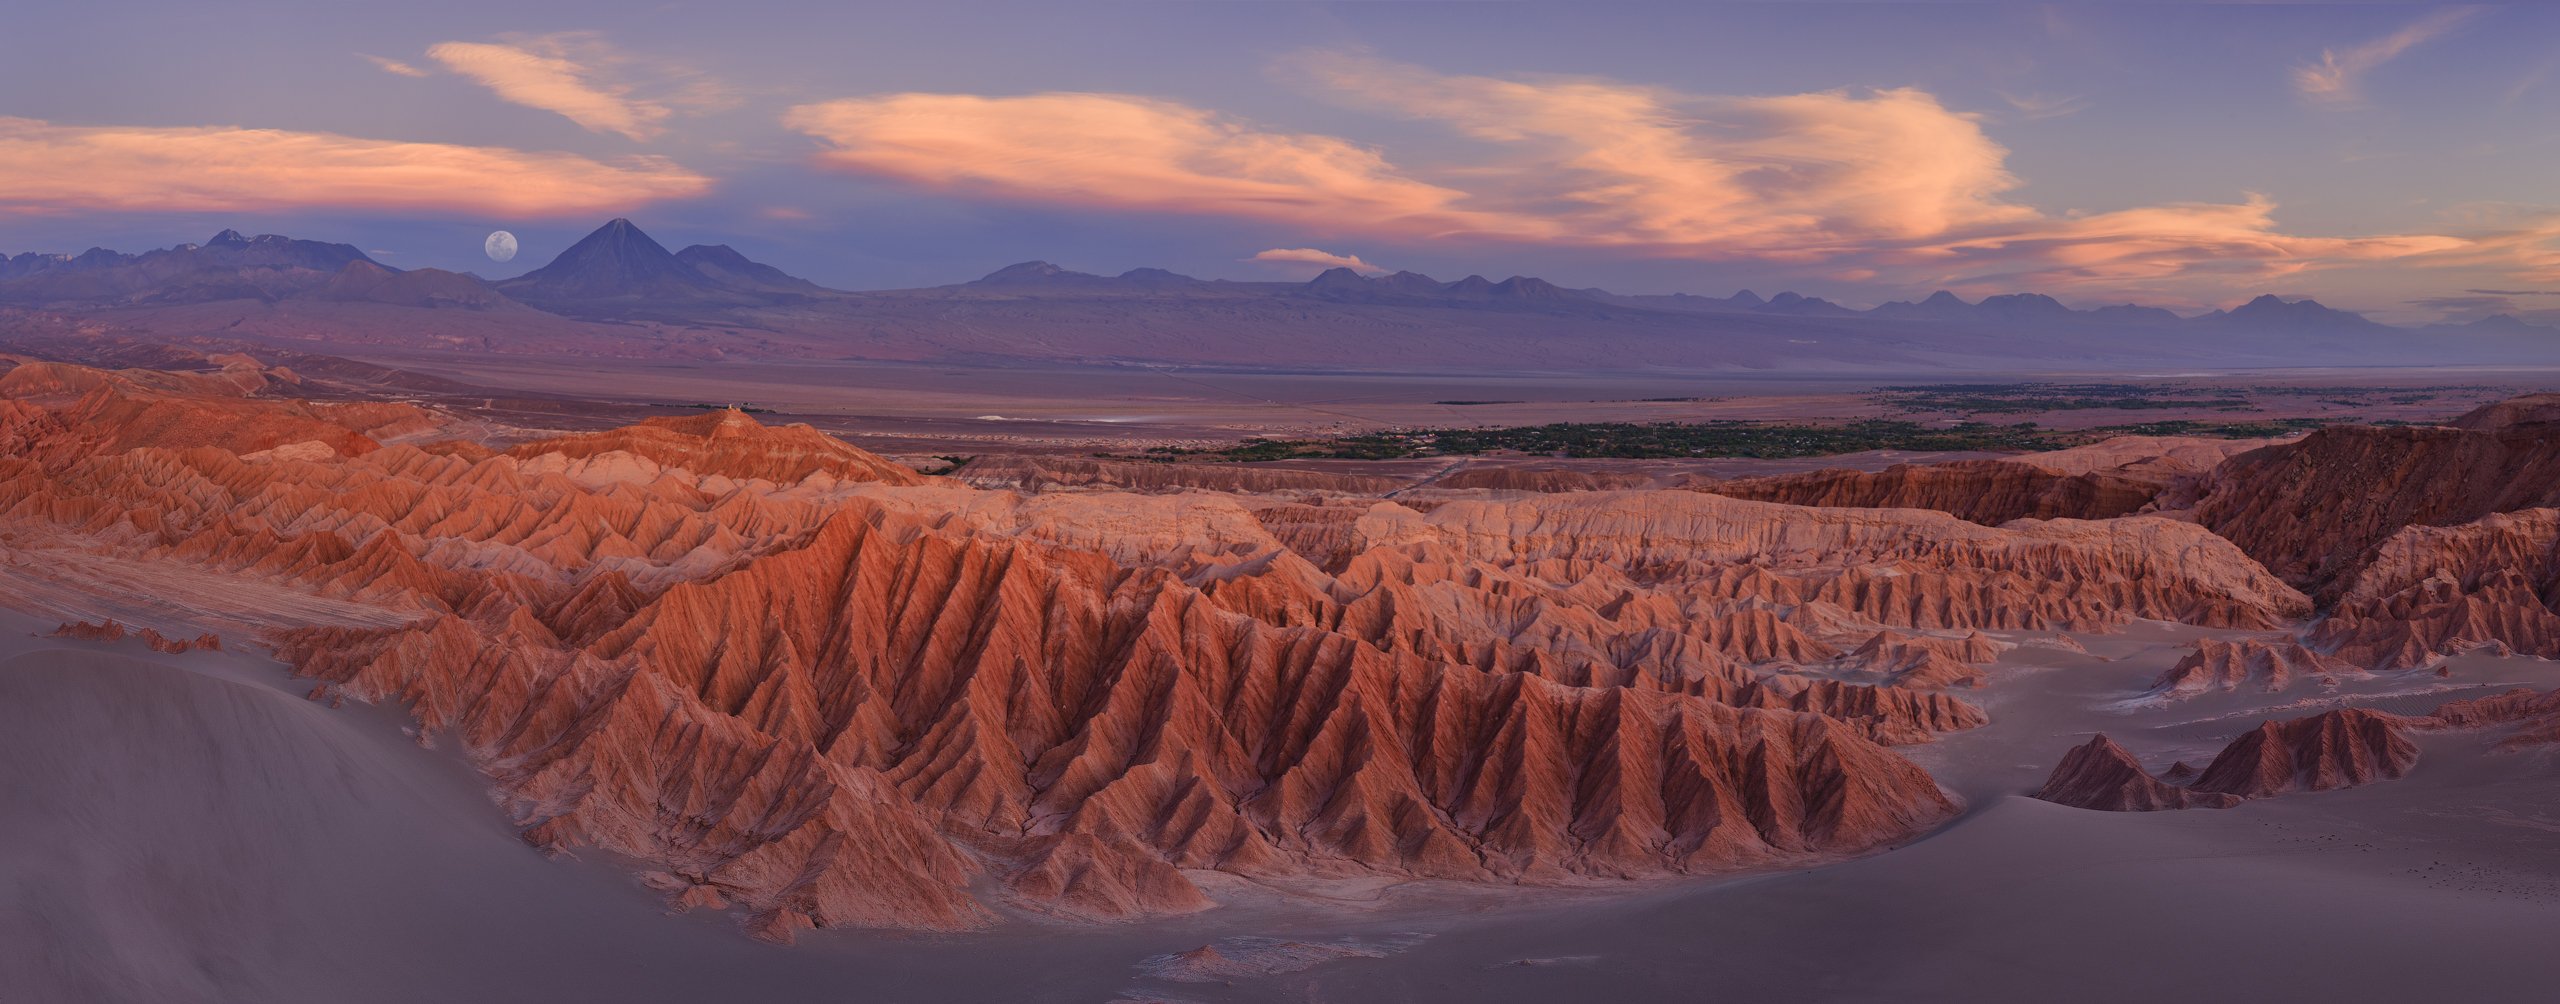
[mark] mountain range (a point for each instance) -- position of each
(1341, 318)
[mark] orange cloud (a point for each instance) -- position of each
(1126, 152)
(1614, 163)
(1889, 182)
(538, 72)
(393, 66)
(2139, 248)
(1312, 256)
(47, 167)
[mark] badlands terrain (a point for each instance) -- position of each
(411, 678)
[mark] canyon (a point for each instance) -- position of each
(761, 672)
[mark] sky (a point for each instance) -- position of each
(2389, 158)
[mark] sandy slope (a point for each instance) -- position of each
(258, 847)
(2442, 886)
(176, 832)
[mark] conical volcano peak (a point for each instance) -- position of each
(617, 260)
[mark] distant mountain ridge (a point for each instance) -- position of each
(616, 266)
(229, 266)
(1344, 285)
(618, 263)
(725, 302)
(620, 266)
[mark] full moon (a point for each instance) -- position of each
(500, 245)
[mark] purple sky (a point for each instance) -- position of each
(2388, 158)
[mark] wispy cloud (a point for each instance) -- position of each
(2465, 308)
(2531, 79)
(2038, 106)
(46, 167)
(1888, 184)
(392, 66)
(1126, 152)
(2336, 76)
(1312, 256)
(559, 73)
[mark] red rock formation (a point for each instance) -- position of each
(2102, 775)
(1160, 732)
(731, 444)
(1990, 492)
(2314, 510)
(2144, 458)
(2493, 583)
(163, 643)
(780, 674)
(2533, 717)
(1925, 661)
(2267, 665)
(1037, 474)
(1899, 568)
(111, 630)
(1539, 479)
(2335, 749)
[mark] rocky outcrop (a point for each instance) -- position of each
(840, 702)
(2336, 749)
(2315, 510)
(2491, 584)
(1899, 568)
(1038, 474)
(113, 630)
(2259, 664)
(729, 443)
(1924, 661)
(2102, 775)
(1512, 478)
(2101, 480)
(1086, 732)
(2160, 459)
(776, 674)
(1990, 492)
(2528, 718)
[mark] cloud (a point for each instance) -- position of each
(2038, 106)
(2335, 76)
(48, 168)
(2232, 245)
(393, 66)
(2465, 308)
(1627, 164)
(1892, 181)
(1311, 256)
(1125, 152)
(556, 73)
(1886, 183)
(786, 214)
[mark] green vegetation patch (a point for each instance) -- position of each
(2026, 398)
(1677, 440)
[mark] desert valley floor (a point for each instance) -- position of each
(412, 678)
